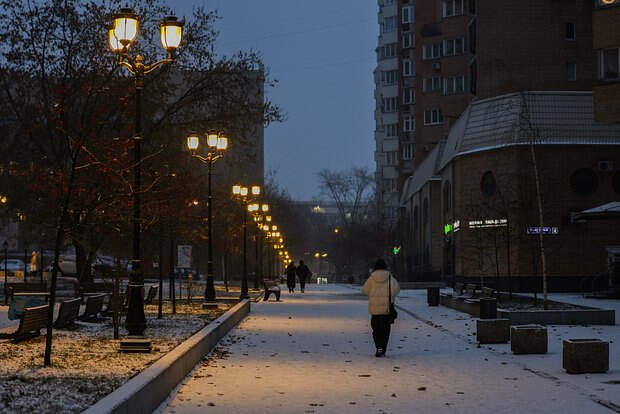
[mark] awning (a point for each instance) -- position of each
(606, 211)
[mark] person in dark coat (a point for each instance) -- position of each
(303, 273)
(290, 277)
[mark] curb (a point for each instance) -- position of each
(147, 390)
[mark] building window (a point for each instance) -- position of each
(408, 14)
(388, 105)
(409, 124)
(391, 158)
(432, 84)
(452, 47)
(609, 64)
(408, 68)
(487, 184)
(452, 8)
(388, 25)
(408, 96)
(584, 181)
(408, 40)
(391, 130)
(389, 77)
(571, 71)
(408, 151)
(391, 185)
(433, 117)
(570, 31)
(454, 84)
(387, 51)
(433, 51)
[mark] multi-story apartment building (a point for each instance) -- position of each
(606, 42)
(470, 51)
(395, 103)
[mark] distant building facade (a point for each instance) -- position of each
(473, 202)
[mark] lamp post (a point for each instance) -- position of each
(258, 210)
(217, 144)
(120, 37)
(6, 253)
(242, 193)
(25, 261)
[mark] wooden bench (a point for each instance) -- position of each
(110, 304)
(150, 297)
(30, 324)
(93, 288)
(271, 287)
(67, 314)
(94, 305)
(457, 290)
(11, 288)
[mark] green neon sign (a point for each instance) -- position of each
(447, 229)
(396, 250)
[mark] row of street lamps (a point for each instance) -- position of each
(121, 36)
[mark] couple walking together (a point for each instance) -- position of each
(301, 271)
(381, 289)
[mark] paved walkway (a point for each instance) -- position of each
(313, 353)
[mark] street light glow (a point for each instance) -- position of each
(171, 33)
(125, 26)
(244, 191)
(236, 189)
(222, 143)
(256, 190)
(193, 141)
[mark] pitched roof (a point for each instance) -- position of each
(544, 118)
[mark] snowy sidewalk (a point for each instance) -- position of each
(313, 353)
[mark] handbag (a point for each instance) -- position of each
(393, 314)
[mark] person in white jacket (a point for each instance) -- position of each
(376, 288)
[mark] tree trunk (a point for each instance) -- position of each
(543, 262)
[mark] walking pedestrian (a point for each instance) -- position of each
(290, 277)
(303, 272)
(381, 289)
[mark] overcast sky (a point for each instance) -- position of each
(322, 54)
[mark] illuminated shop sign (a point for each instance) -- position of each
(481, 224)
(451, 227)
(543, 230)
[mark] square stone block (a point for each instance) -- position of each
(528, 339)
(582, 356)
(493, 331)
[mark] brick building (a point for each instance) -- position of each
(606, 42)
(473, 200)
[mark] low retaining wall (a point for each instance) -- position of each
(588, 316)
(583, 316)
(146, 391)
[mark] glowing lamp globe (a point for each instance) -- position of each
(171, 30)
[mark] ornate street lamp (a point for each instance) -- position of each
(241, 192)
(121, 36)
(217, 143)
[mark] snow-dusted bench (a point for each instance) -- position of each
(271, 287)
(30, 324)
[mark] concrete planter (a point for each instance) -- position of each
(582, 356)
(432, 296)
(493, 331)
(528, 339)
(583, 316)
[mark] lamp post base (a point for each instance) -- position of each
(244, 296)
(210, 305)
(136, 344)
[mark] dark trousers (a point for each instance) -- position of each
(380, 330)
(302, 282)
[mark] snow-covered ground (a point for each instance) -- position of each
(86, 364)
(313, 353)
